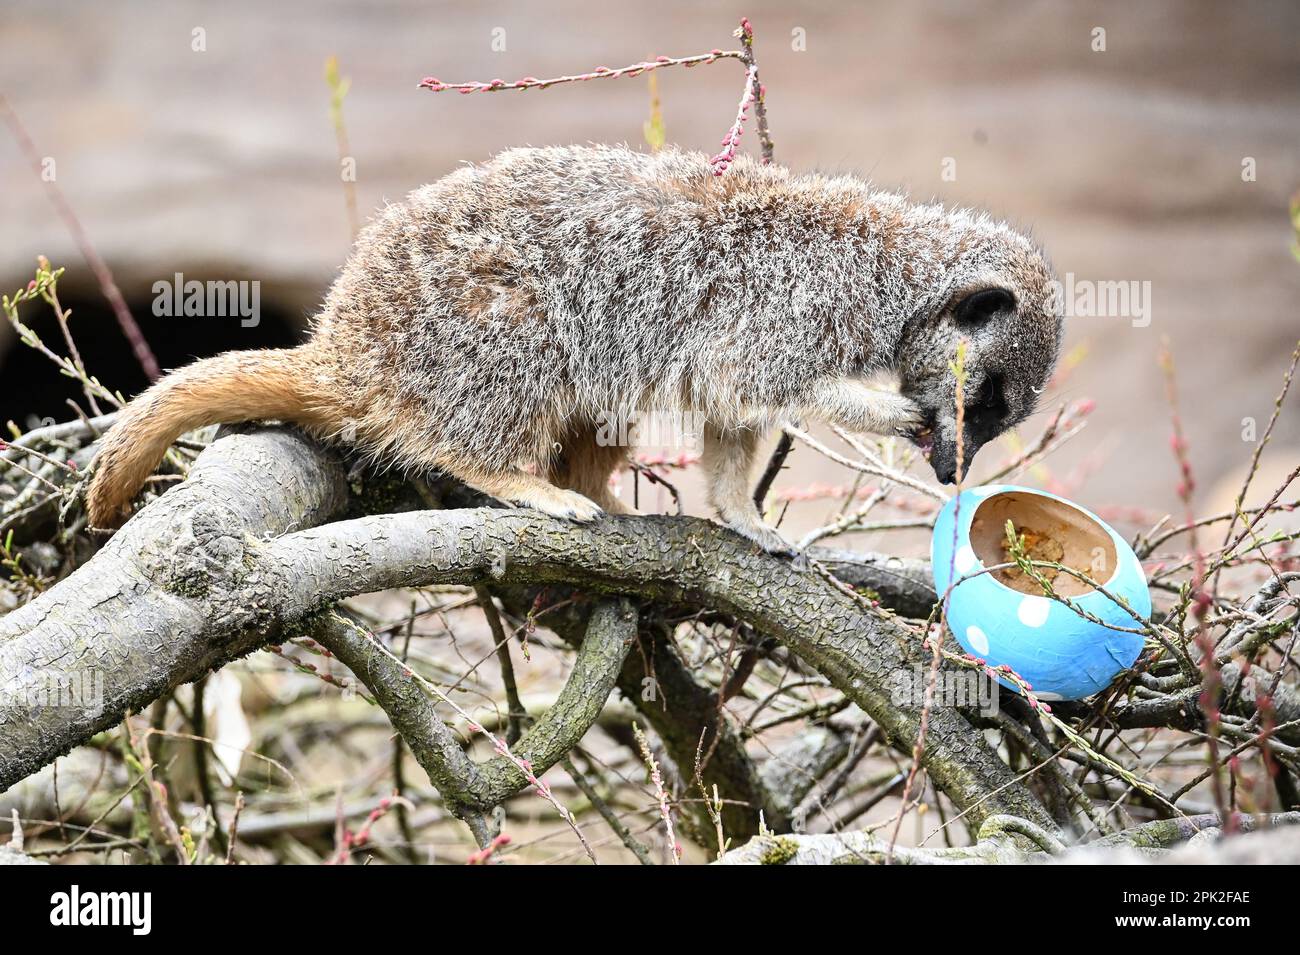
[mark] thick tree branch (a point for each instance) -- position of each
(232, 559)
(175, 594)
(675, 559)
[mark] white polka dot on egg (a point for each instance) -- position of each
(964, 560)
(1033, 611)
(978, 642)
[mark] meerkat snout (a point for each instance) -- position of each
(1008, 329)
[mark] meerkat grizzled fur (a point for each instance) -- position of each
(484, 326)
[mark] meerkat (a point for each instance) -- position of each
(482, 327)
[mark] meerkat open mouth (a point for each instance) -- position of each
(923, 438)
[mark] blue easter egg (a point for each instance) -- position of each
(1005, 619)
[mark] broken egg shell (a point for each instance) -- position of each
(1060, 653)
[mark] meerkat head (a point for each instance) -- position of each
(1000, 301)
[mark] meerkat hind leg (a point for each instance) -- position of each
(585, 466)
(728, 460)
(528, 490)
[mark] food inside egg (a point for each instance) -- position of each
(1050, 531)
(1002, 614)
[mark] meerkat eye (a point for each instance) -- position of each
(978, 307)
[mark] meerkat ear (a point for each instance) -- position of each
(978, 307)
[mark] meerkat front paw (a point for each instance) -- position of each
(855, 407)
(760, 532)
(896, 414)
(769, 539)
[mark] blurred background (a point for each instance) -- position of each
(197, 138)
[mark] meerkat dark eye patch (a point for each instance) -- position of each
(978, 307)
(989, 408)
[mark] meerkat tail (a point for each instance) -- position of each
(237, 386)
